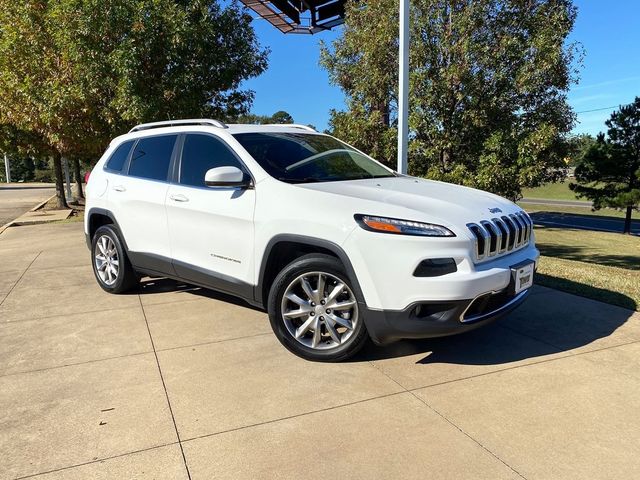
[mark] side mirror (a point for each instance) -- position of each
(226, 177)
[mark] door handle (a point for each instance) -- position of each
(179, 198)
(119, 188)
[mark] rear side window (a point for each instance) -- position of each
(119, 157)
(151, 157)
(201, 153)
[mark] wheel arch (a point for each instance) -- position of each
(96, 218)
(284, 248)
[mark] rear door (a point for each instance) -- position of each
(210, 228)
(138, 201)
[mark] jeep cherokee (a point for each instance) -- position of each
(334, 245)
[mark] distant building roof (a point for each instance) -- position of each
(306, 16)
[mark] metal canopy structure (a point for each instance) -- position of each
(299, 16)
(313, 16)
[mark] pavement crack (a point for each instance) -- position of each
(164, 386)
(74, 364)
(468, 435)
(450, 422)
(20, 278)
(97, 460)
(289, 417)
(213, 342)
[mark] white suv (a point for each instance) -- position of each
(336, 246)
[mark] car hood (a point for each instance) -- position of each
(433, 199)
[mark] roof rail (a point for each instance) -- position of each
(176, 123)
(291, 125)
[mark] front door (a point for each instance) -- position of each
(211, 228)
(137, 199)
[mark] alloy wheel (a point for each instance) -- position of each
(106, 260)
(319, 310)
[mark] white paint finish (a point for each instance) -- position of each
(224, 175)
(139, 207)
(213, 229)
(227, 230)
(385, 264)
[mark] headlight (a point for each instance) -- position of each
(402, 227)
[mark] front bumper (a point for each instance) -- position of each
(384, 266)
(438, 319)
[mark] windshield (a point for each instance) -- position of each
(303, 157)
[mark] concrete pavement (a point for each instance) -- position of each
(177, 382)
(18, 198)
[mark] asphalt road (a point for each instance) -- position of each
(583, 222)
(18, 198)
(564, 203)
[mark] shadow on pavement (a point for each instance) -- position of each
(153, 286)
(549, 322)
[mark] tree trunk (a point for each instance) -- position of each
(78, 178)
(627, 220)
(57, 168)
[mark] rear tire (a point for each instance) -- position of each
(111, 266)
(313, 310)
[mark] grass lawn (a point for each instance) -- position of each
(598, 265)
(603, 212)
(551, 191)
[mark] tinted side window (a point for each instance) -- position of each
(117, 159)
(199, 154)
(151, 157)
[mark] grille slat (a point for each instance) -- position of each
(500, 236)
(504, 234)
(519, 228)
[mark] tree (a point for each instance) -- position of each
(488, 83)
(75, 73)
(281, 117)
(609, 173)
(24, 151)
(578, 146)
(251, 118)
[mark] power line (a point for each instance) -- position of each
(599, 109)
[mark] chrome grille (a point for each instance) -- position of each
(502, 235)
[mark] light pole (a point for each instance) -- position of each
(403, 87)
(7, 168)
(66, 176)
(322, 16)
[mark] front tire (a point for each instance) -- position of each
(313, 310)
(111, 265)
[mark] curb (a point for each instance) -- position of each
(42, 204)
(37, 207)
(5, 226)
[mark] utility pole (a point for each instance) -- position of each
(67, 178)
(7, 168)
(403, 88)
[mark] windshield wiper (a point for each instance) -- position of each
(299, 180)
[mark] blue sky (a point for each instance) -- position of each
(608, 31)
